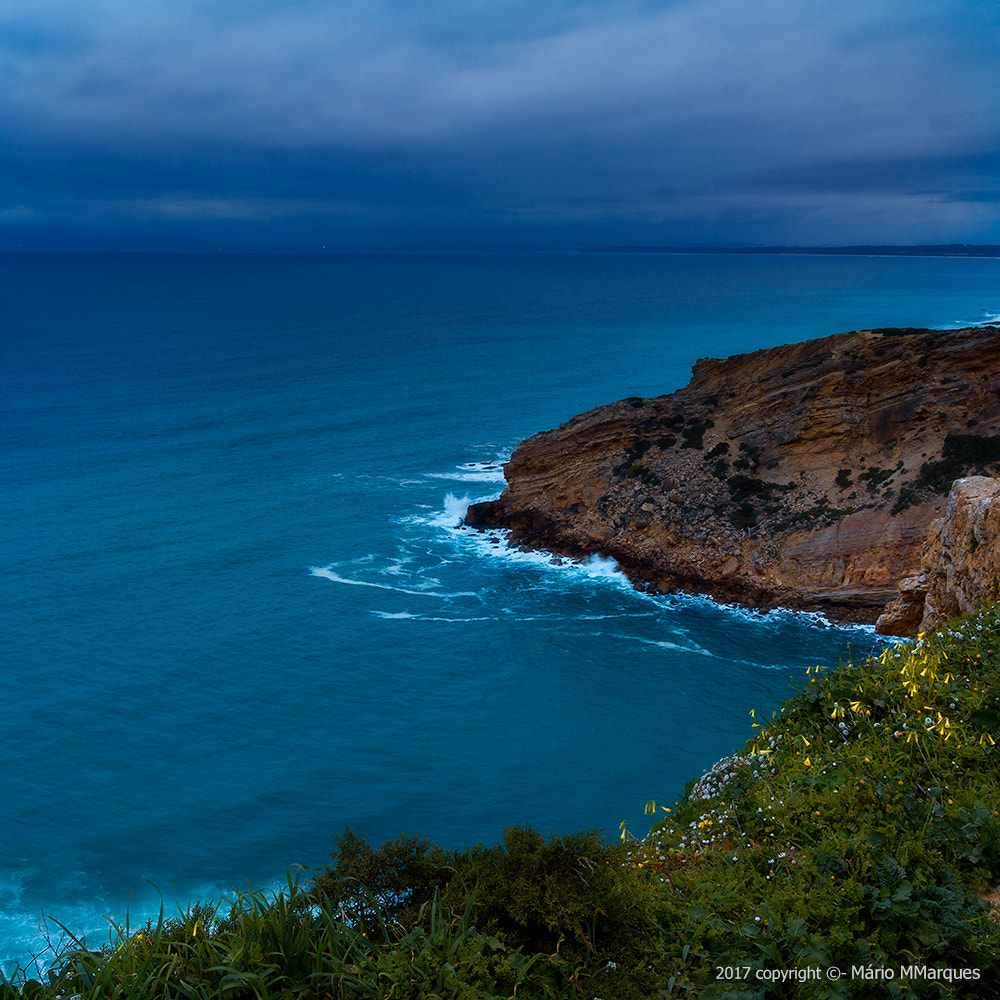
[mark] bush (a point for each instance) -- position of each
(961, 455)
(564, 894)
(559, 894)
(859, 827)
(383, 890)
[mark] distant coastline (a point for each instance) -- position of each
(921, 250)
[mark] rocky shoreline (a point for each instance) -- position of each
(806, 476)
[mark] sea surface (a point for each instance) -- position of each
(238, 610)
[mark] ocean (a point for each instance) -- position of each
(238, 608)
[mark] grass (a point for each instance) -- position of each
(859, 829)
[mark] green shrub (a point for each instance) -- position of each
(691, 436)
(874, 478)
(562, 893)
(742, 487)
(859, 827)
(384, 888)
(961, 455)
(743, 516)
(556, 894)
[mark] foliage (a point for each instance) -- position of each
(961, 455)
(694, 432)
(564, 894)
(874, 477)
(859, 828)
(387, 887)
(741, 487)
(632, 466)
(281, 944)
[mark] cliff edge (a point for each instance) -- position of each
(959, 562)
(803, 476)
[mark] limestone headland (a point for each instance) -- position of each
(805, 476)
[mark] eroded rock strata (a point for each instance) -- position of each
(959, 562)
(803, 476)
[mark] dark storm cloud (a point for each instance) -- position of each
(712, 120)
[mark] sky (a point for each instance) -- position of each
(380, 124)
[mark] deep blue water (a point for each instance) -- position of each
(236, 612)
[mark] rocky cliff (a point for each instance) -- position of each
(959, 562)
(803, 476)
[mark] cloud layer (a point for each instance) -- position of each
(288, 123)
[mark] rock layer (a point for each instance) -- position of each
(959, 565)
(803, 476)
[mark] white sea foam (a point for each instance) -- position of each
(767, 616)
(495, 544)
(984, 319)
(486, 474)
(455, 508)
(666, 644)
(409, 616)
(603, 568)
(434, 532)
(625, 614)
(449, 515)
(33, 939)
(474, 472)
(329, 573)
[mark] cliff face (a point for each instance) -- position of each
(803, 476)
(959, 564)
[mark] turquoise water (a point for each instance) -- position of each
(237, 608)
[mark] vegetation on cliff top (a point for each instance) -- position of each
(859, 830)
